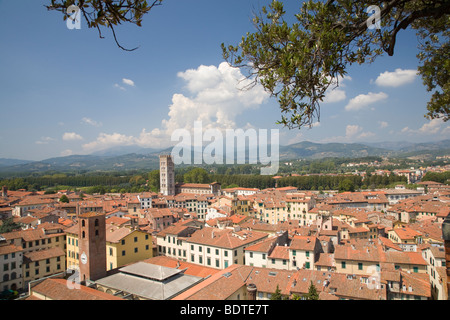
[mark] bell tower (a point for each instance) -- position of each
(92, 246)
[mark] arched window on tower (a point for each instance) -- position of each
(96, 223)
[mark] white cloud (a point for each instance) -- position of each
(431, 127)
(216, 97)
(71, 136)
(91, 122)
(336, 94)
(45, 140)
(396, 78)
(363, 100)
(67, 152)
(383, 124)
(105, 141)
(118, 86)
(128, 82)
(446, 131)
(353, 132)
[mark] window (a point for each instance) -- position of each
(135, 250)
(360, 266)
(307, 253)
(343, 264)
(123, 253)
(416, 269)
(307, 265)
(135, 239)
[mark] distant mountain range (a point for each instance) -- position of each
(135, 158)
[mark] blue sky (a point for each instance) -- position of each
(66, 92)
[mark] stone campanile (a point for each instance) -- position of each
(92, 246)
(166, 175)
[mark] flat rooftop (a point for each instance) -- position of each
(149, 281)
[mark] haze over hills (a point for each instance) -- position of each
(135, 158)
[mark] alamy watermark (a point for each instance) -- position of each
(73, 281)
(74, 19)
(374, 20)
(190, 149)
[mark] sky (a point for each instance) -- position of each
(66, 91)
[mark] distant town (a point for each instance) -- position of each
(228, 241)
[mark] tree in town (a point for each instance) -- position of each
(9, 225)
(105, 13)
(297, 59)
(64, 199)
(312, 293)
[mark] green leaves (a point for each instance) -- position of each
(296, 62)
(107, 13)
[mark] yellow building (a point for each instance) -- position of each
(43, 263)
(124, 245)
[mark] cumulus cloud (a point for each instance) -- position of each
(71, 136)
(91, 122)
(128, 82)
(119, 86)
(66, 153)
(336, 93)
(216, 96)
(353, 132)
(363, 100)
(383, 124)
(434, 126)
(105, 141)
(396, 78)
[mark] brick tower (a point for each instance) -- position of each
(92, 246)
(166, 175)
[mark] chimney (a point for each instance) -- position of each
(251, 289)
(4, 191)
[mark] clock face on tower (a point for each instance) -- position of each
(83, 258)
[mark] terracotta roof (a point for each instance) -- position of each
(307, 243)
(7, 249)
(219, 286)
(225, 238)
(43, 254)
(280, 252)
(57, 289)
(191, 268)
